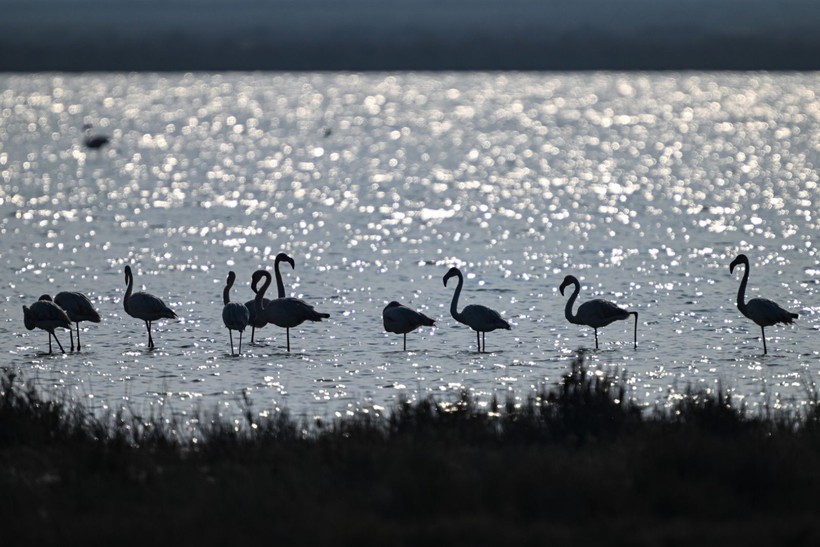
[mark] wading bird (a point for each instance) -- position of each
(235, 315)
(258, 323)
(94, 142)
(595, 313)
(79, 308)
(479, 318)
(400, 319)
(286, 312)
(144, 306)
(760, 310)
(45, 314)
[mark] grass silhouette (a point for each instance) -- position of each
(579, 463)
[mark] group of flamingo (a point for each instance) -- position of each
(288, 312)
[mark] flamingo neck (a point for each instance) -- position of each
(129, 279)
(454, 303)
(741, 292)
(260, 295)
(280, 287)
(226, 293)
(571, 302)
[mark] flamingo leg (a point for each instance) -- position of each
(49, 344)
(478, 340)
(253, 332)
(58, 343)
(240, 343)
(78, 337)
(150, 339)
(763, 334)
(288, 335)
(405, 341)
(484, 341)
(71, 334)
(596, 338)
(230, 335)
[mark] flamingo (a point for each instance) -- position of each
(280, 289)
(479, 318)
(79, 308)
(94, 142)
(401, 320)
(234, 314)
(283, 312)
(45, 314)
(762, 311)
(595, 313)
(144, 306)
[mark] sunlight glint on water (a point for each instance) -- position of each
(643, 186)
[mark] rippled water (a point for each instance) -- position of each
(645, 186)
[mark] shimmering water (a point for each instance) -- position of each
(644, 186)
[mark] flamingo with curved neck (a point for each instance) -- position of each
(762, 311)
(144, 306)
(479, 318)
(284, 312)
(595, 313)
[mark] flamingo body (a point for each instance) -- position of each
(234, 314)
(400, 319)
(144, 306)
(479, 318)
(595, 313)
(79, 308)
(46, 315)
(762, 311)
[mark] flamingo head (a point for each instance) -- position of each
(282, 257)
(231, 278)
(256, 277)
(741, 259)
(568, 280)
(452, 272)
(128, 274)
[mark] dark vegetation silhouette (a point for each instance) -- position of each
(579, 462)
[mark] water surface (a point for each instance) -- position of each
(644, 186)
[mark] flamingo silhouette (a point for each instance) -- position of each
(258, 323)
(234, 314)
(595, 313)
(94, 142)
(45, 314)
(479, 318)
(144, 306)
(762, 311)
(400, 319)
(79, 308)
(286, 312)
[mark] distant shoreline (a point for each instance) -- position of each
(404, 35)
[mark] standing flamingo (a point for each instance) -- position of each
(400, 319)
(283, 312)
(234, 314)
(45, 314)
(479, 318)
(595, 313)
(258, 323)
(79, 308)
(762, 311)
(144, 306)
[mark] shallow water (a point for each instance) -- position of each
(644, 186)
